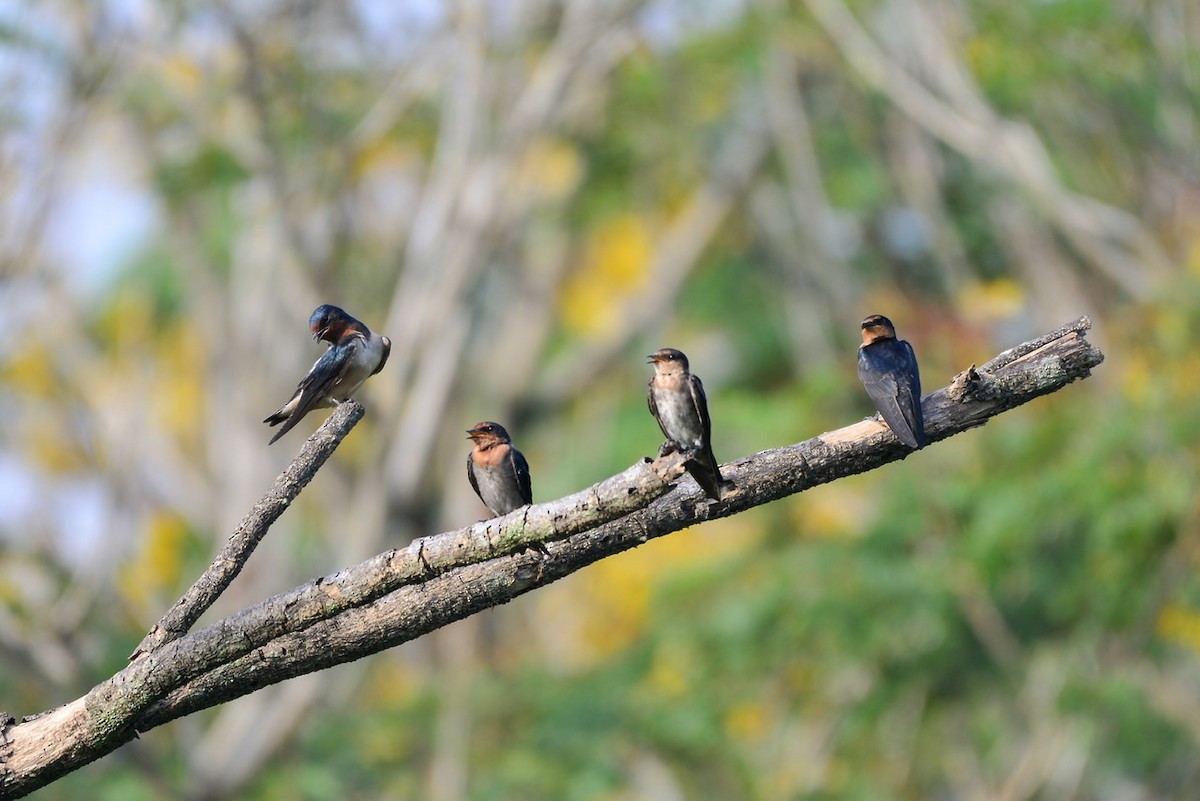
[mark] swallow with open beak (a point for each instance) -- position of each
(354, 355)
(498, 472)
(676, 399)
(888, 369)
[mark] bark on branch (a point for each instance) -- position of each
(245, 538)
(402, 594)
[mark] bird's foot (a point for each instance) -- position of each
(539, 549)
(667, 448)
(428, 568)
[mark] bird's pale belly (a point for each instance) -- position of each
(679, 417)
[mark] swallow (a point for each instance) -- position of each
(354, 355)
(676, 399)
(888, 369)
(498, 472)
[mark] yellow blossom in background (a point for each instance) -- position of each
(1180, 625)
(385, 156)
(837, 510)
(551, 169)
(180, 74)
(395, 683)
(671, 670)
(127, 323)
(616, 598)
(50, 448)
(606, 607)
(980, 52)
(746, 722)
(30, 372)
(1138, 378)
(990, 300)
(614, 266)
(178, 394)
(155, 571)
(1158, 333)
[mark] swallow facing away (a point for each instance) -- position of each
(676, 399)
(498, 472)
(354, 355)
(888, 369)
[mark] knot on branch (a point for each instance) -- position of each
(973, 384)
(669, 466)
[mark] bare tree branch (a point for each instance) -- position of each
(245, 538)
(402, 594)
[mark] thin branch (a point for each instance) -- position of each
(245, 538)
(400, 595)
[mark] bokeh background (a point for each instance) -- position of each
(528, 196)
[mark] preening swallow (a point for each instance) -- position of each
(354, 355)
(676, 399)
(498, 472)
(888, 369)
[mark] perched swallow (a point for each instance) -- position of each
(888, 369)
(498, 472)
(676, 399)
(354, 355)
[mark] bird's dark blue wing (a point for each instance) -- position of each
(888, 371)
(704, 467)
(910, 394)
(521, 469)
(471, 475)
(325, 375)
(315, 387)
(700, 401)
(653, 406)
